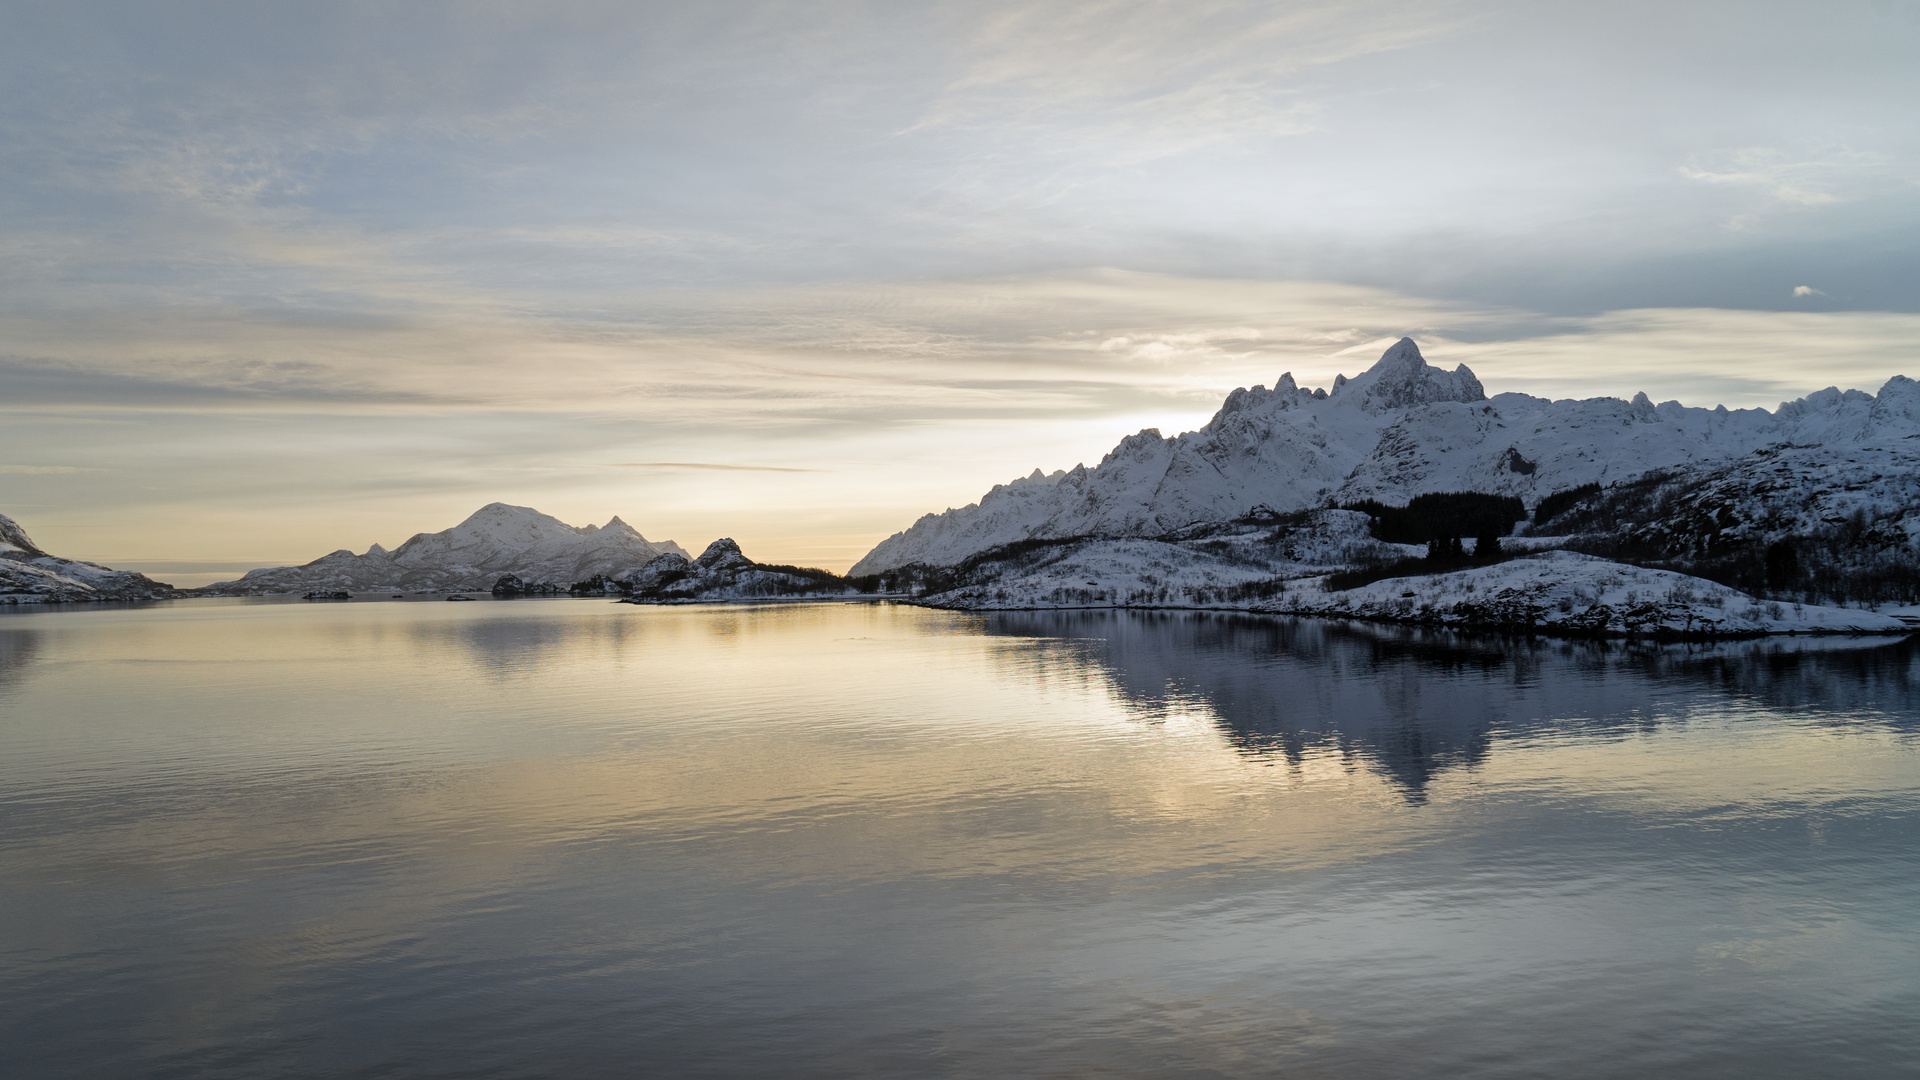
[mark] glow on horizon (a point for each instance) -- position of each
(798, 274)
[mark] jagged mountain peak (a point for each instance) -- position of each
(1401, 354)
(1402, 379)
(1896, 407)
(1401, 428)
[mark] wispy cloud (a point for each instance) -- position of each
(713, 465)
(329, 268)
(1823, 177)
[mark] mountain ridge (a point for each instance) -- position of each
(1401, 428)
(496, 540)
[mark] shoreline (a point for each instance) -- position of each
(1498, 629)
(1452, 621)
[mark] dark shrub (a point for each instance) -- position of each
(1443, 515)
(1552, 506)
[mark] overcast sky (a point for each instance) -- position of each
(282, 278)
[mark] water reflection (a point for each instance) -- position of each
(18, 650)
(555, 839)
(516, 640)
(1413, 704)
(523, 638)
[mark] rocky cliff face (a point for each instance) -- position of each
(1400, 429)
(29, 575)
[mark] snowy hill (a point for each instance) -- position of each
(495, 541)
(1284, 570)
(1400, 429)
(31, 576)
(1840, 521)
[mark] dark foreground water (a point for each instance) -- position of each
(574, 839)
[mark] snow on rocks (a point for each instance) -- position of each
(495, 541)
(1769, 493)
(1402, 428)
(1284, 571)
(1566, 592)
(1216, 564)
(29, 575)
(723, 572)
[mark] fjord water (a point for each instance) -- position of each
(571, 838)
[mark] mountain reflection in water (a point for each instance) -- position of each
(1412, 703)
(573, 838)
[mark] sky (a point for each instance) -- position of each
(280, 279)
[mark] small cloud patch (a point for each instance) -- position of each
(1807, 290)
(702, 465)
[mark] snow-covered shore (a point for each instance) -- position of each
(1553, 592)
(1566, 592)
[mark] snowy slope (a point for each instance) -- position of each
(1567, 592)
(30, 576)
(495, 541)
(1778, 491)
(1399, 429)
(1546, 591)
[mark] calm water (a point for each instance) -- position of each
(575, 839)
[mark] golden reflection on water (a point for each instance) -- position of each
(960, 744)
(640, 790)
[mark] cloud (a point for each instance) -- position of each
(1702, 357)
(316, 259)
(1814, 177)
(715, 466)
(1124, 82)
(1807, 290)
(43, 470)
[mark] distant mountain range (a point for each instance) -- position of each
(29, 575)
(496, 541)
(1401, 428)
(518, 551)
(1402, 494)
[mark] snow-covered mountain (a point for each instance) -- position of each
(497, 540)
(1400, 429)
(1296, 566)
(29, 575)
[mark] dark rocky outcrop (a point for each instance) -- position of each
(723, 572)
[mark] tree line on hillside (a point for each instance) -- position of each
(1669, 521)
(1655, 520)
(1441, 520)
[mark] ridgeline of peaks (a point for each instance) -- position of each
(1401, 428)
(519, 551)
(496, 540)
